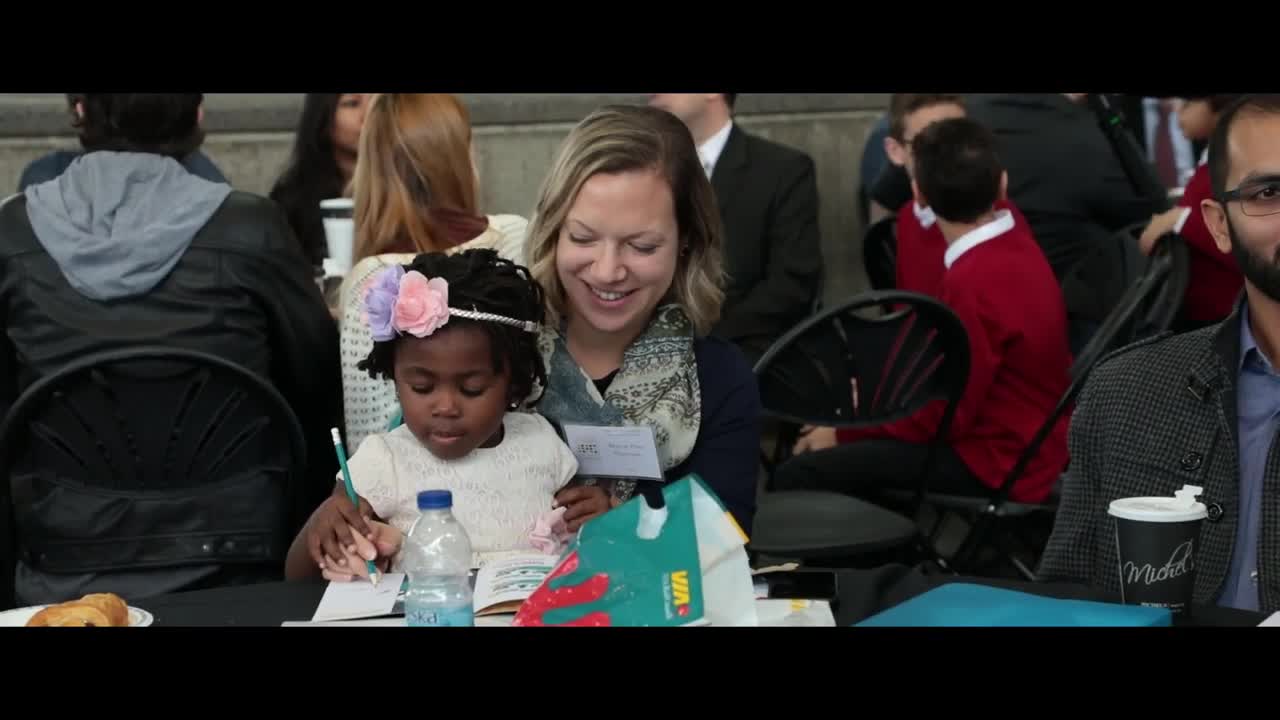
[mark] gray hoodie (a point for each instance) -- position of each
(116, 223)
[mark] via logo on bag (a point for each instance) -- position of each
(679, 594)
(1180, 563)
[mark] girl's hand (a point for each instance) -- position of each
(381, 547)
(583, 503)
(334, 527)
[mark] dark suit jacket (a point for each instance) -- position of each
(768, 196)
(1153, 417)
(1063, 174)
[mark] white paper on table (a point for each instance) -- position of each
(489, 621)
(794, 613)
(363, 622)
(359, 599)
(1272, 620)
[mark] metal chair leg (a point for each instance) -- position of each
(983, 527)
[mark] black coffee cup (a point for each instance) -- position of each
(1157, 541)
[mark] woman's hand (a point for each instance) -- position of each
(382, 545)
(583, 503)
(813, 439)
(334, 526)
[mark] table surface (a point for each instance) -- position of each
(861, 593)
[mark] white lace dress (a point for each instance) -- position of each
(369, 404)
(498, 492)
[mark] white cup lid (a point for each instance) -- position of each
(337, 204)
(1157, 509)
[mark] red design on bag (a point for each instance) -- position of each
(546, 599)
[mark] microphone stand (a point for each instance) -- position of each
(1126, 149)
(1170, 251)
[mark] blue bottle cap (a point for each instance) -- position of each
(435, 500)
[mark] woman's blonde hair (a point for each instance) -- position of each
(415, 155)
(623, 138)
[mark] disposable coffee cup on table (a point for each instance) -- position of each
(339, 235)
(1156, 544)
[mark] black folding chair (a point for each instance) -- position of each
(875, 358)
(153, 461)
(1149, 306)
(991, 517)
(880, 253)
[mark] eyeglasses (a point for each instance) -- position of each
(1257, 199)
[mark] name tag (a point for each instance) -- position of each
(614, 452)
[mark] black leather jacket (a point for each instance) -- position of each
(242, 291)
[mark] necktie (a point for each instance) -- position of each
(1166, 165)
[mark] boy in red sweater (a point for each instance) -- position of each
(1214, 280)
(920, 245)
(999, 284)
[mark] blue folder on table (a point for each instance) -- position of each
(968, 605)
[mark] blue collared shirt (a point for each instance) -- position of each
(1258, 409)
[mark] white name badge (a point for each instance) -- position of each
(614, 452)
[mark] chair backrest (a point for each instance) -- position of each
(162, 464)
(1170, 260)
(880, 253)
(1093, 288)
(875, 358)
(1148, 307)
(870, 360)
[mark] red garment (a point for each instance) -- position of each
(1005, 293)
(448, 228)
(1215, 280)
(919, 267)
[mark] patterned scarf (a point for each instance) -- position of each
(656, 386)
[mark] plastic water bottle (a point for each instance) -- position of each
(438, 561)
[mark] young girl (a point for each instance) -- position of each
(458, 335)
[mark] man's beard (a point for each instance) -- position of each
(1264, 274)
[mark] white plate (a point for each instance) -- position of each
(19, 617)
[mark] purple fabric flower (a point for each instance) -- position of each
(380, 302)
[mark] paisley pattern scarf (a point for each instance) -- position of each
(657, 386)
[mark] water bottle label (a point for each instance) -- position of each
(435, 616)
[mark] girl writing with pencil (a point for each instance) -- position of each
(458, 335)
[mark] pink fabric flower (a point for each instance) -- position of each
(550, 533)
(423, 305)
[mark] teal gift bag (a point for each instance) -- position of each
(968, 605)
(639, 566)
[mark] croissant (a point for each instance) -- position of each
(111, 605)
(96, 610)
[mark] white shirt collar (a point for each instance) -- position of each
(924, 215)
(975, 237)
(709, 151)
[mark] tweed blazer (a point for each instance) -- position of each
(1154, 416)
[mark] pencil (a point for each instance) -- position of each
(351, 490)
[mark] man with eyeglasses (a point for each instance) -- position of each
(1200, 408)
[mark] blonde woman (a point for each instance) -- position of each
(626, 242)
(415, 190)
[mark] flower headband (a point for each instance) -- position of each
(398, 302)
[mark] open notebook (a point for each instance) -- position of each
(505, 582)
(502, 583)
